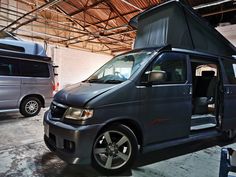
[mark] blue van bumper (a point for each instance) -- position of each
(71, 143)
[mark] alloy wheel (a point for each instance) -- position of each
(112, 149)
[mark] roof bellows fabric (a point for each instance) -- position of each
(176, 24)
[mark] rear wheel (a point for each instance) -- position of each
(114, 150)
(30, 107)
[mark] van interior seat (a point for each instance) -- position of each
(205, 90)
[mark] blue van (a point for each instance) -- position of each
(177, 86)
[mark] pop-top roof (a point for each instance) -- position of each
(11, 43)
(177, 24)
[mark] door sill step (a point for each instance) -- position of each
(203, 126)
(200, 116)
(192, 138)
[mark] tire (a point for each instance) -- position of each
(115, 150)
(30, 107)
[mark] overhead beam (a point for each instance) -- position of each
(39, 33)
(132, 5)
(25, 23)
(117, 12)
(73, 20)
(38, 9)
(215, 3)
(219, 12)
(86, 7)
(104, 36)
(52, 24)
(113, 18)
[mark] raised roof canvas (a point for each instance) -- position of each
(177, 24)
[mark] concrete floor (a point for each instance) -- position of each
(23, 154)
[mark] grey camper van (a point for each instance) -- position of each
(26, 76)
(153, 97)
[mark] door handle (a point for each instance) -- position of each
(190, 90)
(227, 91)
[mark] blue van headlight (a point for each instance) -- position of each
(78, 114)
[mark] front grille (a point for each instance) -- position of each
(57, 110)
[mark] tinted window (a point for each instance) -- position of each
(173, 67)
(230, 69)
(12, 47)
(34, 69)
(8, 67)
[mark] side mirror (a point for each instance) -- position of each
(156, 76)
(93, 78)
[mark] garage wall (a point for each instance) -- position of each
(229, 32)
(75, 65)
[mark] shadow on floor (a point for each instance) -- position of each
(176, 151)
(50, 166)
(16, 115)
(10, 116)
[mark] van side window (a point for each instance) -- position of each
(34, 69)
(230, 69)
(174, 69)
(8, 67)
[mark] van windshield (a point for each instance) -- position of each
(120, 68)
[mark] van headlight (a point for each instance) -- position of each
(78, 114)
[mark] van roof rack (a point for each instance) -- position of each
(11, 43)
(21, 55)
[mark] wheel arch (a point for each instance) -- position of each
(131, 124)
(40, 97)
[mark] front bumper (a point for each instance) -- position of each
(72, 143)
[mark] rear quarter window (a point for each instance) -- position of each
(34, 69)
(230, 70)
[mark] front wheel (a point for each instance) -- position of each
(114, 150)
(30, 107)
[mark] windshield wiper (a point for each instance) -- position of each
(113, 81)
(94, 81)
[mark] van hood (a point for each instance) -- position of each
(78, 95)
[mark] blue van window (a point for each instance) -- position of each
(175, 69)
(34, 69)
(8, 67)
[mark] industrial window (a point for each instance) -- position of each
(230, 69)
(8, 67)
(34, 69)
(174, 68)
